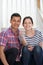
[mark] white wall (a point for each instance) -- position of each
(24, 7)
(0, 14)
(39, 22)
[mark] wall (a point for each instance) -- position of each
(24, 7)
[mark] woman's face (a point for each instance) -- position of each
(27, 24)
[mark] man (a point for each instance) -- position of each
(10, 44)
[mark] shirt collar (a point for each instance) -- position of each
(15, 33)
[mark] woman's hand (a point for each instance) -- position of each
(30, 47)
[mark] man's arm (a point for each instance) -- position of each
(2, 56)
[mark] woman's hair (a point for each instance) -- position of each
(28, 17)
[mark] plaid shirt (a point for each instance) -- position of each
(10, 39)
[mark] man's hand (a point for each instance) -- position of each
(6, 64)
(30, 47)
(40, 44)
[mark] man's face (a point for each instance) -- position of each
(15, 22)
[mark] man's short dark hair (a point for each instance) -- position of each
(16, 15)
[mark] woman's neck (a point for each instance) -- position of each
(30, 33)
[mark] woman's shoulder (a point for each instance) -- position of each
(38, 32)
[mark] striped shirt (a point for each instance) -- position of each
(35, 40)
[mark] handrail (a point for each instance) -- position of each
(39, 21)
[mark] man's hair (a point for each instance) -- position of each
(28, 17)
(16, 15)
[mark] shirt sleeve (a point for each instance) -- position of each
(3, 39)
(41, 37)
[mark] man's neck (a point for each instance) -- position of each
(14, 30)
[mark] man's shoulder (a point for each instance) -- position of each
(6, 32)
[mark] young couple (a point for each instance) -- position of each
(12, 38)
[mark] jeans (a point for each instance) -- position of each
(27, 55)
(42, 56)
(11, 55)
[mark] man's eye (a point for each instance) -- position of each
(18, 21)
(13, 20)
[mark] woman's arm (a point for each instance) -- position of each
(21, 38)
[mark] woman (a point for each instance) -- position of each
(32, 43)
